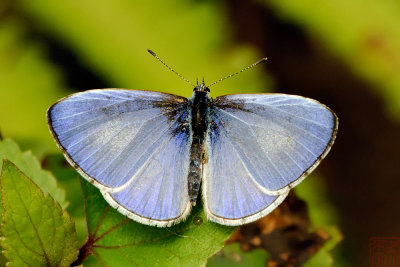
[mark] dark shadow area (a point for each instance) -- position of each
(284, 233)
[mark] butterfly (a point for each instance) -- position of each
(152, 154)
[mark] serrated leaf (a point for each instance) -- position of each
(29, 165)
(233, 256)
(36, 231)
(68, 178)
(115, 240)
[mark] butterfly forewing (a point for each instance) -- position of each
(280, 138)
(133, 145)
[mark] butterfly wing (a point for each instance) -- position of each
(231, 195)
(133, 145)
(260, 146)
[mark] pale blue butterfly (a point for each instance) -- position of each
(150, 153)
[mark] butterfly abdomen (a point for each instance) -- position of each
(198, 154)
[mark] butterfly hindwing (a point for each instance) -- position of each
(133, 145)
(159, 186)
(259, 146)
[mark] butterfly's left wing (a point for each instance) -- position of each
(259, 146)
(133, 145)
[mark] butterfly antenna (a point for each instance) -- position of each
(249, 67)
(154, 55)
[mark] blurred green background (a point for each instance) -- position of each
(345, 54)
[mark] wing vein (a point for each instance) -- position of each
(113, 95)
(90, 110)
(294, 139)
(82, 98)
(294, 115)
(259, 126)
(101, 147)
(130, 142)
(248, 193)
(252, 132)
(107, 120)
(86, 137)
(148, 159)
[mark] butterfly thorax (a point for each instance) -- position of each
(199, 102)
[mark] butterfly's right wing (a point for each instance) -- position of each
(133, 145)
(259, 147)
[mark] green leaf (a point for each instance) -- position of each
(68, 178)
(28, 164)
(115, 240)
(323, 257)
(233, 256)
(35, 229)
(323, 216)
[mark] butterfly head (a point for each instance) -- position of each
(201, 87)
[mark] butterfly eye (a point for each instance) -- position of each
(201, 88)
